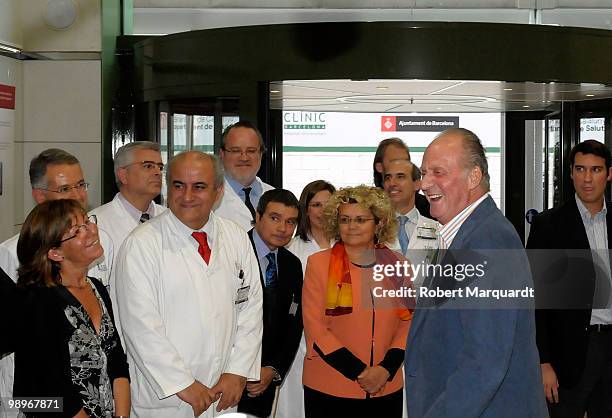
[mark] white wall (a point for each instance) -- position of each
(10, 27)
(58, 101)
(84, 35)
(62, 109)
(11, 131)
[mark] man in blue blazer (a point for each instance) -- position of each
(467, 356)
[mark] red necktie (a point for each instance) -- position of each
(203, 248)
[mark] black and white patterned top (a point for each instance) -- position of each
(89, 357)
(58, 352)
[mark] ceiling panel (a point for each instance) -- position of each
(427, 95)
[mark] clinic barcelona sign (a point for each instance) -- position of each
(418, 123)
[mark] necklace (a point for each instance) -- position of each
(74, 286)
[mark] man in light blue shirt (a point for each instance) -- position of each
(242, 148)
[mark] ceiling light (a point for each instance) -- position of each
(438, 108)
(60, 14)
(382, 87)
(274, 91)
(9, 49)
(590, 95)
(525, 106)
(345, 107)
(507, 89)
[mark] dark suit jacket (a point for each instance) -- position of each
(466, 361)
(565, 278)
(282, 329)
(7, 313)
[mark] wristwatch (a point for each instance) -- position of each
(277, 376)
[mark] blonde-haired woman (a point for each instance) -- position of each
(355, 340)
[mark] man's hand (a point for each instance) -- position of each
(373, 379)
(198, 396)
(551, 384)
(256, 388)
(229, 388)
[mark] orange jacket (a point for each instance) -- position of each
(353, 331)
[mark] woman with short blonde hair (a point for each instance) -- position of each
(345, 370)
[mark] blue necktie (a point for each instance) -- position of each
(402, 235)
(271, 270)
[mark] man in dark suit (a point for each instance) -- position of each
(281, 279)
(467, 357)
(574, 328)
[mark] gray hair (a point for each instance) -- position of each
(199, 155)
(474, 154)
(39, 164)
(125, 155)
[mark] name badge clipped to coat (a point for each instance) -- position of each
(242, 294)
(426, 232)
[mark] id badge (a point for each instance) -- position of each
(242, 295)
(426, 232)
(293, 308)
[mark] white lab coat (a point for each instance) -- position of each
(10, 263)
(117, 222)
(420, 249)
(179, 316)
(291, 396)
(231, 206)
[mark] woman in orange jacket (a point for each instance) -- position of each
(355, 333)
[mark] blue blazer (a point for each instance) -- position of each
(464, 360)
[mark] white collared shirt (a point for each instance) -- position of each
(448, 231)
(597, 234)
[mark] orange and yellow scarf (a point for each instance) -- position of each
(339, 299)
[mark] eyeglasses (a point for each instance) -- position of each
(359, 220)
(80, 187)
(317, 205)
(147, 165)
(237, 151)
(76, 229)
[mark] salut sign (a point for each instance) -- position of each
(418, 123)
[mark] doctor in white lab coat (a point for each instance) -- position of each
(54, 174)
(242, 147)
(138, 171)
(190, 305)
(401, 179)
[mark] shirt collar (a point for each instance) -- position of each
(237, 187)
(450, 229)
(412, 215)
(132, 210)
(260, 246)
(184, 230)
(584, 212)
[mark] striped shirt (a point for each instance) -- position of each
(448, 232)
